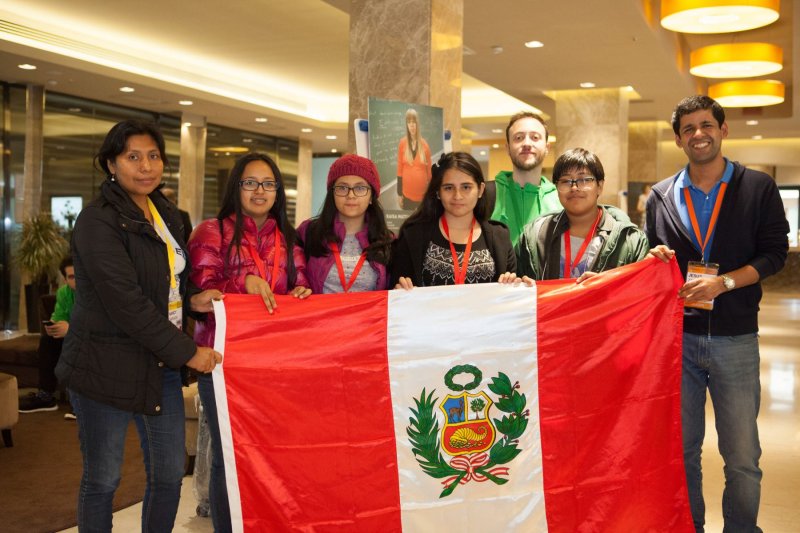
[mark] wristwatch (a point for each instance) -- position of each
(729, 282)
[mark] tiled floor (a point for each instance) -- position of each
(779, 425)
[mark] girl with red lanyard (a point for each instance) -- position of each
(348, 245)
(248, 249)
(449, 239)
(585, 238)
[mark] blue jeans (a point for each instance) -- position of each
(101, 431)
(729, 368)
(217, 489)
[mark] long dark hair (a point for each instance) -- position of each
(431, 208)
(232, 203)
(320, 230)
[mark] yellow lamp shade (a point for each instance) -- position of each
(718, 16)
(739, 60)
(748, 93)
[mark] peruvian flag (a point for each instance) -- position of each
(460, 408)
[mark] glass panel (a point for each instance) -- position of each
(225, 145)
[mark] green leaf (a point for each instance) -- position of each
(501, 385)
(518, 400)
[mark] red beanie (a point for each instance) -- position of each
(354, 165)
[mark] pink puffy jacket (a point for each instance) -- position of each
(207, 249)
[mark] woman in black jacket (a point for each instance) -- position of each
(449, 239)
(122, 357)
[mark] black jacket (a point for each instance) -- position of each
(119, 335)
(408, 251)
(751, 230)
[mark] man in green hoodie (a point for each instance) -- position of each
(517, 197)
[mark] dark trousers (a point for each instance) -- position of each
(49, 352)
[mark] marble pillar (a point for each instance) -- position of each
(643, 151)
(304, 181)
(407, 50)
(31, 189)
(191, 185)
(597, 120)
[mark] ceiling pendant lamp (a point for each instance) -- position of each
(748, 93)
(738, 60)
(717, 16)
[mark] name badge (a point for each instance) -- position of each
(697, 270)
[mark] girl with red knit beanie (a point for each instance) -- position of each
(348, 245)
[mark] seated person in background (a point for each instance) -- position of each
(50, 347)
(584, 238)
(172, 196)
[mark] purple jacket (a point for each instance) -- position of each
(317, 268)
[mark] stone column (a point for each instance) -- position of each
(304, 181)
(191, 185)
(407, 50)
(643, 153)
(597, 120)
(34, 152)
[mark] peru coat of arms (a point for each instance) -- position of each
(469, 445)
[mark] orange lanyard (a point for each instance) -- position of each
(568, 265)
(340, 267)
(459, 274)
(703, 242)
(262, 269)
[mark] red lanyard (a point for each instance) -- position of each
(340, 267)
(568, 265)
(262, 269)
(714, 215)
(459, 274)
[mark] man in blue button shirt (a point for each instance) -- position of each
(716, 211)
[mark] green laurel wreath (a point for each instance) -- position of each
(423, 433)
(463, 369)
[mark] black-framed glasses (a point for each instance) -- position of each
(344, 190)
(583, 183)
(253, 185)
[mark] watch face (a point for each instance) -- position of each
(729, 283)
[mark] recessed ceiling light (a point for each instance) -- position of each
(127, 89)
(261, 119)
(757, 137)
(306, 130)
(185, 102)
(497, 130)
(588, 85)
(27, 66)
(534, 44)
(74, 110)
(334, 150)
(752, 123)
(331, 137)
(495, 145)
(247, 140)
(187, 124)
(483, 152)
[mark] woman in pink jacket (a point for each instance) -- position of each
(348, 245)
(248, 249)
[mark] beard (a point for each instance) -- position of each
(527, 164)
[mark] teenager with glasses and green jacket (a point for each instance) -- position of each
(348, 245)
(584, 238)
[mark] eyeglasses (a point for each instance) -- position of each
(584, 183)
(253, 185)
(344, 190)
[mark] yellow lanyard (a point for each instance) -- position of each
(163, 234)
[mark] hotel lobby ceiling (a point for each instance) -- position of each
(288, 61)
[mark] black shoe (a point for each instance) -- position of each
(36, 402)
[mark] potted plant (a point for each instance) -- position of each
(41, 249)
